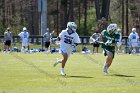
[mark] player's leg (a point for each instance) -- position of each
(98, 45)
(93, 48)
(97, 49)
(9, 46)
(5, 46)
(131, 48)
(46, 46)
(108, 61)
(134, 47)
(134, 50)
(23, 45)
(28, 47)
(23, 49)
(57, 61)
(6, 50)
(64, 60)
(49, 47)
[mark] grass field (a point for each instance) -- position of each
(34, 73)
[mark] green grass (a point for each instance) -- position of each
(34, 73)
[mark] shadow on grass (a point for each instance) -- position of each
(120, 75)
(78, 77)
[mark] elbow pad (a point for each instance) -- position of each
(59, 38)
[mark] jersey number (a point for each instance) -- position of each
(134, 37)
(68, 41)
(25, 35)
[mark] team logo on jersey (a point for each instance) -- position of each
(68, 39)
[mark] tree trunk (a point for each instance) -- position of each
(71, 12)
(105, 8)
(97, 7)
(122, 1)
(64, 16)
(3, 11)
(85, 17)
(57, 17)
(79, 13)
(127, 28)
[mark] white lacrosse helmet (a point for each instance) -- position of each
(72, 26)
(112, 28)
(24, 28)
(47, 29)
(133, 29)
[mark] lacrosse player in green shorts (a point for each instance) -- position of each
(109, 38)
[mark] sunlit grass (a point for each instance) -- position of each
(34, 73)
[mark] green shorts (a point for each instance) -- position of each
(105, 52)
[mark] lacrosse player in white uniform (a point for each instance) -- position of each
(133, 40)
(68, 38)
(24, 35)
(119, 43)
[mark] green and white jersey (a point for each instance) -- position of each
(106, 37)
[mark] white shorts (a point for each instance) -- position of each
(119, 43)
(134, 44)
(64, 49)
(25, 42)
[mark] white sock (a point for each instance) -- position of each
(105, 65)
(62, 69)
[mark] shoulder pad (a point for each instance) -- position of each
(102, 33)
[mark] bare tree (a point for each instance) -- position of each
(85, 17)
(104, 10)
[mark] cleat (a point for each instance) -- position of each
(56, 62)
(62, 73)
(105, 70)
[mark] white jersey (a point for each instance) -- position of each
(133, 37)
(67, 40)
(120, 38)
(119, 43)
(24, 36)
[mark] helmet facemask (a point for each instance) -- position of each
(72, 26)
(111, 29)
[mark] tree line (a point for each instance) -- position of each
(86, 13)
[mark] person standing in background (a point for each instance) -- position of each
(119, 43)
(24, 35)
(96, 45)
(7, 40)
(133, 41)
(47, 37)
